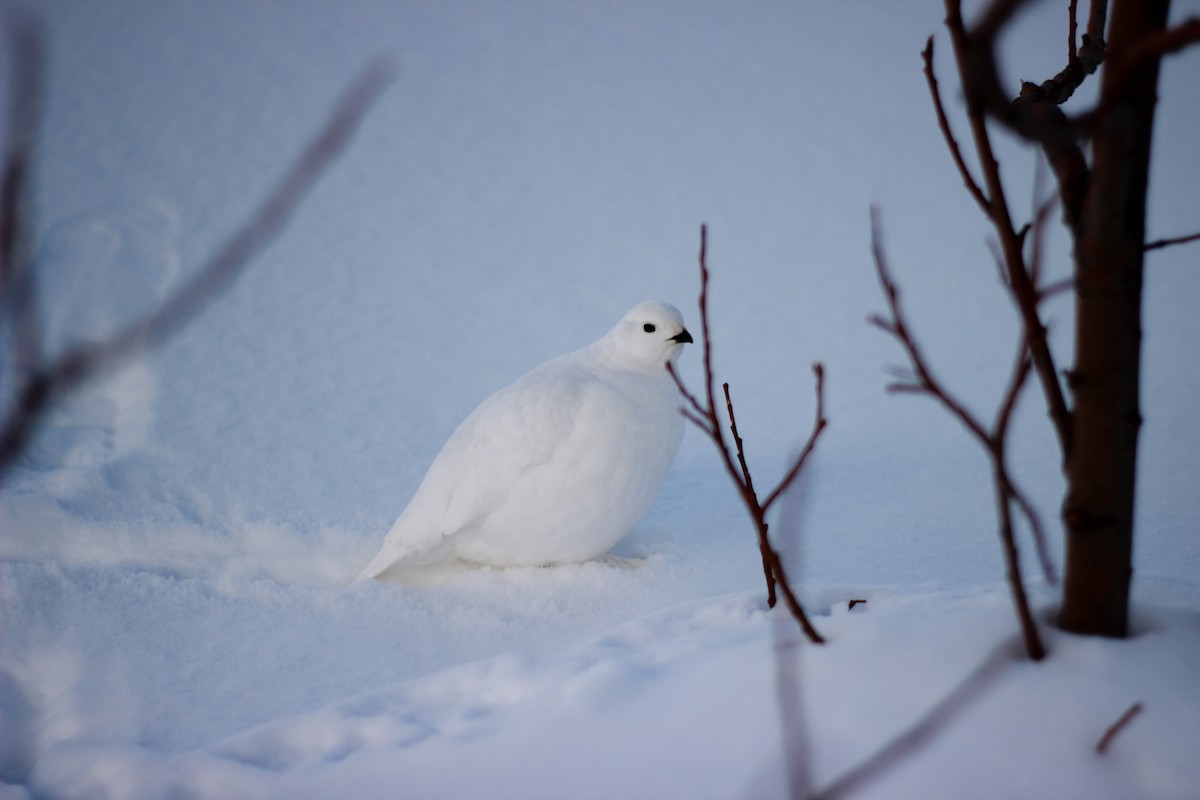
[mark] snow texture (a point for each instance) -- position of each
(178, 542)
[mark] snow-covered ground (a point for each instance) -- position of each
(176, 546)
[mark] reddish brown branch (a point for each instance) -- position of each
(935, 721)
(704, 416)
(1165, 42)
(981, 78)
(966, 53)
(737, 441)
(993, 441)
(819, 423)
(947, 134)
(1118, 726)
(49, 382)
(1072, 27)
(1161, 243)
(18, 283)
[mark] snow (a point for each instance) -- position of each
(177, 545)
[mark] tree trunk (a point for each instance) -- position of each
(1101, 471)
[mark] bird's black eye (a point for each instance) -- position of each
(648, 327)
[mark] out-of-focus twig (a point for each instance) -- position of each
(1017, 273)
(972, 687)
(1107, 739)
(1159, 244)
(41, 384)
(18, 282)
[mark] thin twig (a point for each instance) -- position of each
(967, 56)
(737, 441)
(992, 441)
(51, 381)
(1056, 288)
(819, 424)
(1157, 45)
(944, 124)
(793, 730)
(935, 721)
(1118, 726)
(18, 282)
(704, 416)
(897, 324)
(1161, 243)
(1072, 27)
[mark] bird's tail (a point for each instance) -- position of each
(375, 567)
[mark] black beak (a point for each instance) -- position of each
(682, 337)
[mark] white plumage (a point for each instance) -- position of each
(560, 465)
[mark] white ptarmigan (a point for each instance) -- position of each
(560, 465)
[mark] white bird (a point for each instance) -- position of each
(560, 465)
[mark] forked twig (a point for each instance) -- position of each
(992, 440)
(970, 62)
(705, 417)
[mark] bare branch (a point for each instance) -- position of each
(1161, 243)
(899, 329)
(1037, 531)
(819, 424)
(18, 283)
(737, 441)
(993, 441)
(688, 396)
(1058, 287)
(1118, 726)
(1097, 21)
(53, 380)
(709, 378)
(704, 416)
(947, 134)
(981, 79)
(935, 721)
(970, 60)
(1072, 53)
(1165, 42)
(789, 597)
(1008, 540)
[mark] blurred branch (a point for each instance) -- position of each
(704, 416)
(993, 441)
(1161, 243)
(1118, 726)
(1154, 46)
(947, 134)
(789, 695)
(18, 285)
(1011, 242)
(41, 384)
(935, 721)
(1072, 27)
(1032, 115)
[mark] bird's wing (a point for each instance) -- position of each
(514, 432)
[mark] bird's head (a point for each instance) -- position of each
(649, 336)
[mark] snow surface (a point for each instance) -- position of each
(177, 545)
